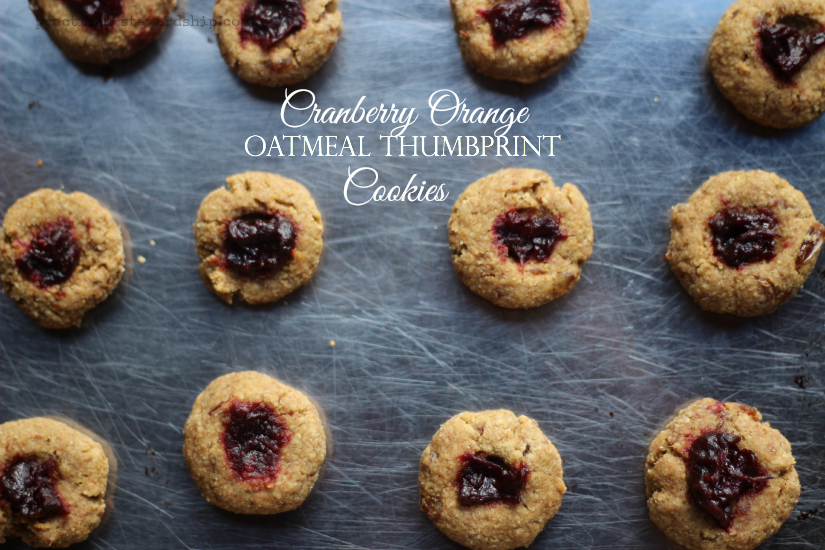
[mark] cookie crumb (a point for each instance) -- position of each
(39, 163)
(152, 242)
(141, 260)
(332, 343)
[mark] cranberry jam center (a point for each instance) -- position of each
(514, 18)
(524, 237)
(269, 21)
(484, 479)
(253, 436)
(259, 243)
(52, 255)
(786, 48)
(742, 237)
(30, 487)
(98, 15)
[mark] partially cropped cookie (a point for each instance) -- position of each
(258, 240)
(519, 40)
(718, 478)
(766, 57)
(518, 240)
(744, 243)
(52, 483)
(490, 480)
(253, 445)
(100, 31)
(60, 255)
(276, 42)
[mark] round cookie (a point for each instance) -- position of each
(490, 480)
(52, 483)
(519, 40)
(276, 42)
(519, 241)
(99, 31)
(704, 507)
(253, 445)
(60, 256)
(744, 243)
(765, 59)
(258, 240)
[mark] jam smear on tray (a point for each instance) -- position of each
(720, 473)
(30, 487)
(267, 22)
(259, 243)
(742, 237)
(52, 255)
(488, 479)
(97, 15)
(253, 436)
(524, 237)
(786, 48)
(514, 18)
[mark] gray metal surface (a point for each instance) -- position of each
(642, 126)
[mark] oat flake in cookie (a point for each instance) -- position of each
(52, 483)
(99, 31)
(518, 240)
(253, 445)
(718, 478)
(766, 57)
(519, 40)
(490, 480)
(258, 240)
(276, 42)
(744, 243)
(60, 255)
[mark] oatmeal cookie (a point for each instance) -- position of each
(258, 240)
(519, 40)
(276, 42)
(490, 480)
(744, 243)
(253, 445)
(52, 485)
(720, 479)
(99, 31)
(518, 240)
(60, 256)
(766, 59)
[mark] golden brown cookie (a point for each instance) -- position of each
(52, 483)
(704, 506)
(258, 240)
(766, 57)
(99, 31)
(60, 256)
(490, 480)
(518, 240)
(253, 445)
(744, 243)
(276, 42)
(519, 40)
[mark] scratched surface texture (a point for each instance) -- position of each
(601, 369)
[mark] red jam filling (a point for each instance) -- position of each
(52, 255)
(252, 438)
(259, 243)
(787, 48)
(487, 479)
(524, 237)
(741, 237)
(515, 18)
(720, 474)
(267, 22)
(97, 15)
(30, 487)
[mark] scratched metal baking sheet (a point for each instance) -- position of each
(601, 369)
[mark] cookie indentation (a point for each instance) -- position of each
(253, 436)
(259, 243)
(743, 236)
(267, 22)
(515, 18)
(52, 255)
(97, 15)
(30, 487)
(489, 479)
(524, 237)
(787, 49)
(720, 473)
